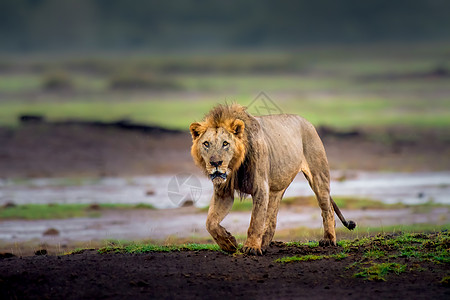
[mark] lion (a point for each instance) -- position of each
(260, 156)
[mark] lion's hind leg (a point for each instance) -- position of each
(271, 217)
(320, 184)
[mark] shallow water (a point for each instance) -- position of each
(172, 191)
(188, 222)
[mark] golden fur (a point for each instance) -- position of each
(259, 156)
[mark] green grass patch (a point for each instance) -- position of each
(310, 244)
(310, 257)
(174, 111)
(62, 211)
(339, 256)
(77, 251)
(359, 234)
(329, 86)
(378, 272)
(44, 211)
(147, 248)
(348, 203)
(238, 205)
(432, 247)
(242, 205)
(374, 254)
(445, 281)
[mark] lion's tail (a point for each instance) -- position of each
(349, 224)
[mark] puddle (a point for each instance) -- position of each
(187, 222)
(170, 191)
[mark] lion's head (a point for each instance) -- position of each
(219, 142)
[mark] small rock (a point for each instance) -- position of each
(187, 203)
(139, 283)
(40, 252)
(9, 205)
(6, 255)
(51, 231)
(94, 206)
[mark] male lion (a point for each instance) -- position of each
(260, 156)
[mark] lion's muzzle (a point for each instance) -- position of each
(218, 174)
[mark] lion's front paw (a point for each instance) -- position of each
(327, 243)
(227, 243)
(251, 249)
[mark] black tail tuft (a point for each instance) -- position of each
(350, 225)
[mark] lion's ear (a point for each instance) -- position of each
(237, 127)
(196, 130)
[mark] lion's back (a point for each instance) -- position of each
(284, 129)
(285, 136)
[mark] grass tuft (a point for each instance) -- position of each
(445, 281)
(378, 272)
(310, 257)
(374, 254)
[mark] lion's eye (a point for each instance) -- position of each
(225, 143)
(206, 144)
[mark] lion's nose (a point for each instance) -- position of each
(216, 163)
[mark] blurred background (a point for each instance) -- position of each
(96, 98)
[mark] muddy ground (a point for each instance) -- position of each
(214, 275)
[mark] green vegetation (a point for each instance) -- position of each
(133, 81)
(359, 233)
(238, 205)
(337, 87)
(311, 244)
(242, 205)
(445, 281)
(310, 257)
(57, 80)
(61, 211)
(429, 247)
(378, 272)
(348, 203)
(77, 251)
(418, 247)
(374, 256)
(146, 248)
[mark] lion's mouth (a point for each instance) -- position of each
(218, 174)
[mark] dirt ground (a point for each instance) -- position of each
(212, 275)
(76, 149)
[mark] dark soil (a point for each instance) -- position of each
(72, 149)
(212, 275)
